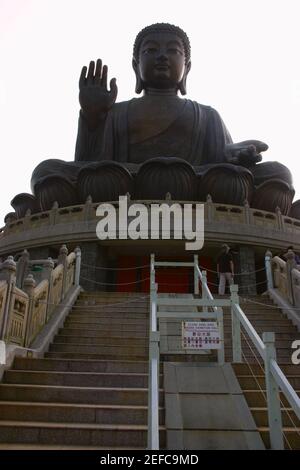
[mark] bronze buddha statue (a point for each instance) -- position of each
(158, 143)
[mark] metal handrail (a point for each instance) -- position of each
(286, 387)
(275, 378)
(252, 333)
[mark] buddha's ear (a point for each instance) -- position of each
(139, 84)
(182, 84)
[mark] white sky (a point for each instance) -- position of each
(245, 63)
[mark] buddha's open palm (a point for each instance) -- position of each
(94, 97)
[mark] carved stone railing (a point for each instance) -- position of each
(24, 312)
(3, 292)
(295, 274)
(214, 213)
(280, 277)
(56, 288)
(18, 317)
(284, 276)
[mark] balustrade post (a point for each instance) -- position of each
(152, 271)
(53, 213)
(210, 208)
(196, 277)
(48, 267)
(280, 222)
(77, 266)
(235, 325)
(62, 259)
(28, 287)
(247, 212)
(88, 208)
(22, 268)
(290, 265)
(273, 398)
(8, 274)
(268, 267)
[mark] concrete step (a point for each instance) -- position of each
(103, 309)
(74, 413)
(94, 356)
(87, 395)
(108, 320)
(117, 350)
(291, 437)
(244, 369)
(107, 314)
(279, 343)
(76, 365)
(105, 340)
(115, 305)
(76, 379)
(289, 329)
(138, 327)
(105, 333)
(267, 317)
(75, 434)
(261, 322)
(260, 416)
(281, 352)
(256, 382)
(256, 398)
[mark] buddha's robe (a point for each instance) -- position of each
(195, 133)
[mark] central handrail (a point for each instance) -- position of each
(154, 336)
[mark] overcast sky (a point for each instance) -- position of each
(245, 63)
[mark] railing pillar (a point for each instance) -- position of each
(273, 399)
(204, 283)
(235, 326)
(48, 267)
(153, 395)
(22, 268)
(290, 265)
(268, 267)
(62, 259)
(196, 278)
(152, 271)
(8, 274)
(28, 287)
(77, 266)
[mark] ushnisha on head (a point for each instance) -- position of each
(161, 59)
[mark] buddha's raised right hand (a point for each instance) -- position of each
(94, 97)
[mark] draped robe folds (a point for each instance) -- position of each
(197, 135)
(208, 136)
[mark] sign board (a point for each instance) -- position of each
(200, 335)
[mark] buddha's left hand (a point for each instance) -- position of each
(245, 153)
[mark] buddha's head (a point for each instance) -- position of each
(161, 58)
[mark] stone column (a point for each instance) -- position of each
(247, 278)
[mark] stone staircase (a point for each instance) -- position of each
(90, 391)
(250, 374)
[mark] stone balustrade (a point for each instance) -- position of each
(25, 310)
(236, 224)
(286, 277)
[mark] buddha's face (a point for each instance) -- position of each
(161, 61)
